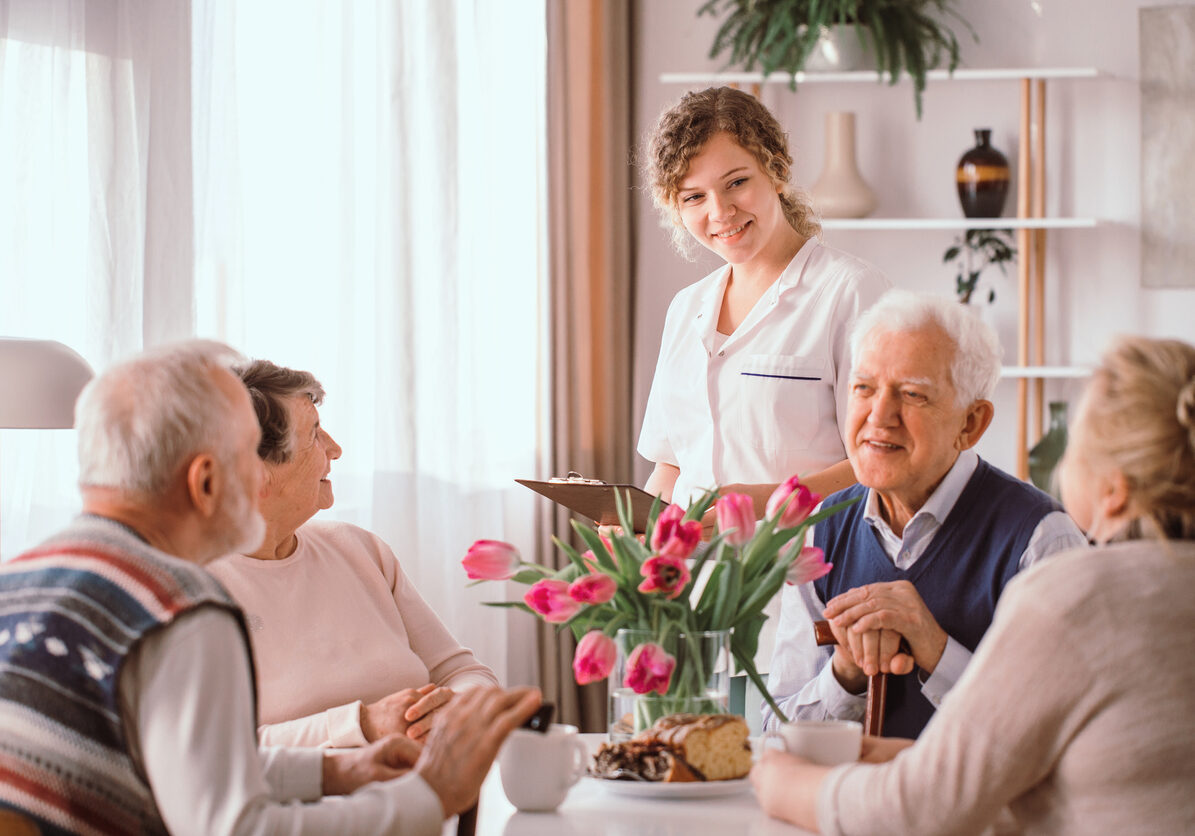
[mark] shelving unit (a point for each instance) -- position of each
(1030, 223)
(959, 223)
(855, 76)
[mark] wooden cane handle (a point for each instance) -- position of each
(466, 823)
(877, 698)
(877, 685)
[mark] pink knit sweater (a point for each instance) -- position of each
(334, 625)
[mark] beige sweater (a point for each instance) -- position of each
(1077, 712)
(335, 624)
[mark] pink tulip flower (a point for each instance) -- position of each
(587, 557)
(594, 657)
(736, 515)
(667, 575)
(491, 560)
(809, 565)
(672, 536)
(551, 600)
(798, 510)
(649, 668)
(594, 588)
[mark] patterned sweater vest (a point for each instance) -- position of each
(959, 576)
(71, 612)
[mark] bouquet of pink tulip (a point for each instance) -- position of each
(648, 585)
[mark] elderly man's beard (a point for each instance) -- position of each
(244, 525)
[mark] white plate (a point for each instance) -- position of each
(678, 790)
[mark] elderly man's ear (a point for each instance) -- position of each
(205, 482)
(975, 424)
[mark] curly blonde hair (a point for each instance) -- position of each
(1139, 419)
(684, 129)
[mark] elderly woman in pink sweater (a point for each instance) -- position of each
(346, 649)
(1077, 712)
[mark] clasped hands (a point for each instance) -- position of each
(411, 711)
(454, 759)
(869, 622)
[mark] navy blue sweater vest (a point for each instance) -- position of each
(959, 576)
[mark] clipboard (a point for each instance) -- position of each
(594, 499)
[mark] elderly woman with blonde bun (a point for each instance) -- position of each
(1077, 713)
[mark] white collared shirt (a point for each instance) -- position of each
(763, 403)
(801, 680)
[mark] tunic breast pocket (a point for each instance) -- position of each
(781, 400)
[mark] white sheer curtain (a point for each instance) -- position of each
(95, 237)
(369, 192)
(368, 204)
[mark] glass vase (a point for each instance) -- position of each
(1045, 455)
(700, 682)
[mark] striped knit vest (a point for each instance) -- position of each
(71, 612)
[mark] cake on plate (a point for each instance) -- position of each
(680, 747)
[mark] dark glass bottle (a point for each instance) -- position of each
(1044, 456)
(982, 176)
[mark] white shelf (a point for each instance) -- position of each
(1036, 73)
(959, 223)
(1042, 372)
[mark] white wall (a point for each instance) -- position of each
(1093, 169)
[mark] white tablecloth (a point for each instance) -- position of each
(592, 810)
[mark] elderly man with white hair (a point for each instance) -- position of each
(126, 679)
(937, 533)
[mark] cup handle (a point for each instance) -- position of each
(772, 734)
(580, 762)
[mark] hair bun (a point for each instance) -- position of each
(1186, 408)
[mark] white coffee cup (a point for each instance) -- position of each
(828, 742)
(538, 768)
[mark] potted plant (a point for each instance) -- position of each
(658, 615)
(977, 250)
(911, 36)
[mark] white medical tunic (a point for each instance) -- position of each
(764, 403)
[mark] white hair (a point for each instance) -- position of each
(975, 367)
(143, 418)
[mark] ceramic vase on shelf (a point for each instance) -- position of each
(838, 50)
(700, 682)
(1045, 455)
(982, 176)
(840, 191)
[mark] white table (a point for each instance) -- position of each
(592, 809)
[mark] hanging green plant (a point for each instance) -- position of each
(911, 36)
(979, 249)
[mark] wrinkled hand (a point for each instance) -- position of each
(463, 744)
(612, 531)
(855, 650)
(868, 616)
(404, 712)
(882, 749)
(851, 652)
(346, 770)
(422, 715)
(787, 787)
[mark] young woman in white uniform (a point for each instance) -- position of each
(754, 361)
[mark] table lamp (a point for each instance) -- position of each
(40, 380)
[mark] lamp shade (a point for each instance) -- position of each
(40, 380)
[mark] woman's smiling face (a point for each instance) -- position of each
(728, 203)
(300, 486)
